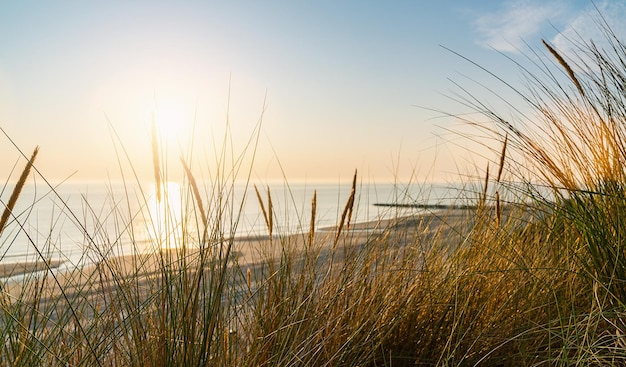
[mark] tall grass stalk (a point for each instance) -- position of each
(8, 208)
(346, 215)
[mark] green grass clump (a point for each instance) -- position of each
(532, 274)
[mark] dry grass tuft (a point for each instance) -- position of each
(346, 215)
(8, 209)
(565, 66)
(196, 194)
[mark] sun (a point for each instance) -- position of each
(172, 117)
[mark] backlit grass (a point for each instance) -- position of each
(533, 273)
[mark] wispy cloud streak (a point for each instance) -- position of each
(585, 26)
(507, 29)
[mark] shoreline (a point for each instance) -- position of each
(247, 251)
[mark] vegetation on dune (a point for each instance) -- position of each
(530, 274)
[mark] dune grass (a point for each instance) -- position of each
(533, 274)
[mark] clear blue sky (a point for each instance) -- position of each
(340, 79)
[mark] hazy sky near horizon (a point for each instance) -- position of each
(343, 84)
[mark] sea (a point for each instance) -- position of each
(78, 223)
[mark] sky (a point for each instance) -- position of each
(331, 86)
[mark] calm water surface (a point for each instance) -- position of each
(81, 222)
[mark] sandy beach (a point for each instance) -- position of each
(246, 252)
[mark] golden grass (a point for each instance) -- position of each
(155, 158)
(346, 214)
(268, 215)
(8, 209)
(539, 280)
(313, 216)
(565, 66)
(196, 194)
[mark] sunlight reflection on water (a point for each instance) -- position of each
(163, 223)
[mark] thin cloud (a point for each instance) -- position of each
(507, 29)
(587, 26)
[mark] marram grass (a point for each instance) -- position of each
(521, 278)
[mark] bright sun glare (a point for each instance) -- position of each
(165, 222)
(172, 117)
